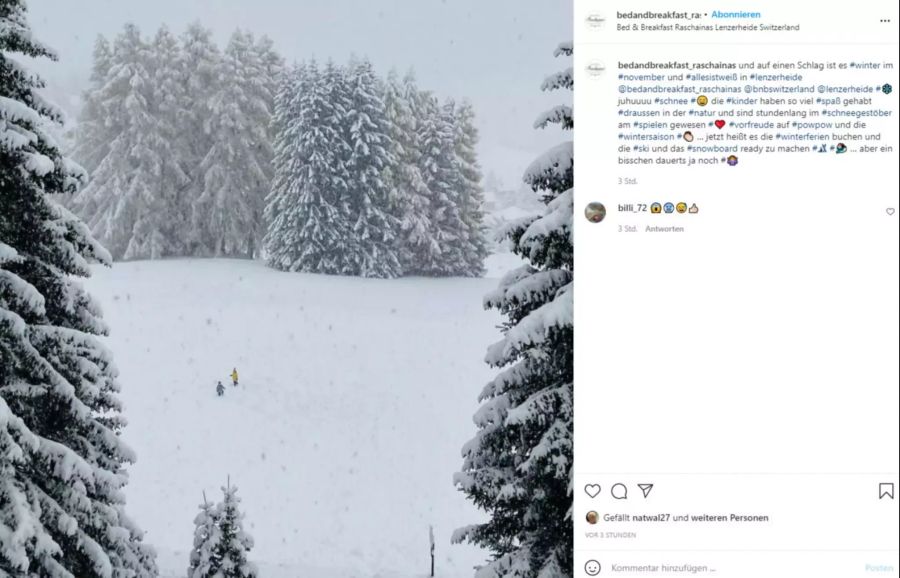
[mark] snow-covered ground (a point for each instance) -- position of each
(355, 398)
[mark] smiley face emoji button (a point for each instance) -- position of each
(702, 100)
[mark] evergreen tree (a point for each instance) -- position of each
(367, 131)
(286, 164)
(453, 229)
(204, 556)
(410, 197)
(231, 550)
(518, 468)
(402, 177)
(271, 67)
(62, 462)
(91, 142)
(333, 120)
(471, 195)
(235, 172)
(169, 100)
(273, 72)
(437, 165)
(284, 128)
(307, 209)
(87, 140)
(200, 74)
(130, 201)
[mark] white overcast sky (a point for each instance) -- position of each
(494, 52)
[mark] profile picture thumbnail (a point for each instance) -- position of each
(592, 517)
(595, 212)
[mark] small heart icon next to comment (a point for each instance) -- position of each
(593, 490)
(890, 211)
(720, 123)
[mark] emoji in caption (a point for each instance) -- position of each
(655, 208)
(688, 136)
(702, 100)
(681, 208)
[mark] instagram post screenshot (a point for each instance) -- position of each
(287, 289)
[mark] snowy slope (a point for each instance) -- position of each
(355, 398)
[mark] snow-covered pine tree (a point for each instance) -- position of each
(285, 102)
(271, 66)
(471, 195)
(285, 127)
(306, 211)
(518, 468)
(367, 132)
(333, 120)
(87, 139)
(62, 462)
(409, 196)
(235, 171)
(286, 166)
(169, 100)
(436, 163)
(436, 177)
(91, 139)
(453, 228)
(105, 206)
(204, 559)
(199, 71)
(235, 543)
(129, 198)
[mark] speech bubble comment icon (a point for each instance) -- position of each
(619, 491)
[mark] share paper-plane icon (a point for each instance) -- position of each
(645, 488)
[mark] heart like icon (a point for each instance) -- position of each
(720, 123)
(593, 490)
(890, 211)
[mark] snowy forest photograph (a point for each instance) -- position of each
(286, 289)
